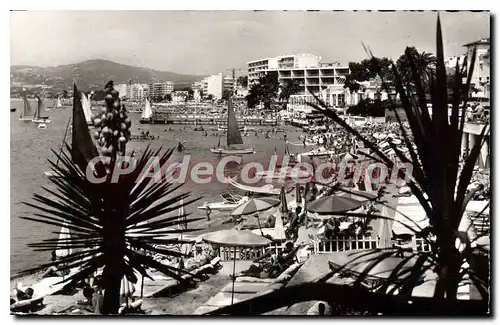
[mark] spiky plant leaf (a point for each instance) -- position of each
(128, 216)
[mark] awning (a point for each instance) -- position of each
(409, 214)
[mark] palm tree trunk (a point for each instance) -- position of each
(114, 252)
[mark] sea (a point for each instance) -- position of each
(31, 149)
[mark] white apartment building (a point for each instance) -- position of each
(139, 92)
(338, 96)
(308, 69)
(196, 95)
(160, 89)
(228, 83)
(213, 85)
(122, 90)
(481, 74)
(451, 63)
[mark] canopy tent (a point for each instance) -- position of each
(356, 262)
(409, 212)
(478, 206)
(235, 238)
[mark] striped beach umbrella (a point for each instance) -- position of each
(333, 204)
(255, 205)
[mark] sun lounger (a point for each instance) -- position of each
(205, 309)
(247, 287)
(251, 279)
(45, 287)
(215, 261)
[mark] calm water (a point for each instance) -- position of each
(31, 148)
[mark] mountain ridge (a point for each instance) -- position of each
(95, 73)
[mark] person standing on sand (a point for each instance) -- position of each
(208, 211)
(97, 301)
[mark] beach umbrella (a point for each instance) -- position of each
(127, 288)
(279, 229)
(236, 238)
(385, 231)
(284, 205)
(357, 195)
(348, 157)
(182, 213)
(255, 205)
(63, 241)
(333, 204)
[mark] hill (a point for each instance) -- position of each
(93, 74)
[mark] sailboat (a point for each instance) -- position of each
(147, 114)
(27, 114)
(58, 104)
(233, 136)
(38, 118)
(83, 149)
(86, 109)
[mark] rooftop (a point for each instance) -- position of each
(481, 41)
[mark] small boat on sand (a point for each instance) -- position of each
(320, 152)
(264, 189)
(229, 202)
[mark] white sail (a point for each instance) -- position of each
(62, 245)
(59, 105)
(147, 112)
(86, 108)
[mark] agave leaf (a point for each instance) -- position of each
(352, 297)
(395, 275)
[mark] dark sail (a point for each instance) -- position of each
(27, 107)
(82, 148)
(39, 109)
(233, 133)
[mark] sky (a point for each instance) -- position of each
(206, 42)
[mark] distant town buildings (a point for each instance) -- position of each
(122, 90)
(214, 85)
(139, 92)
(179, 96)
(160, 89)
(134, 92)
(228, 83)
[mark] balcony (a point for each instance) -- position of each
(342, 72)
(328, 80)
(327, 72)
(313, 73)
